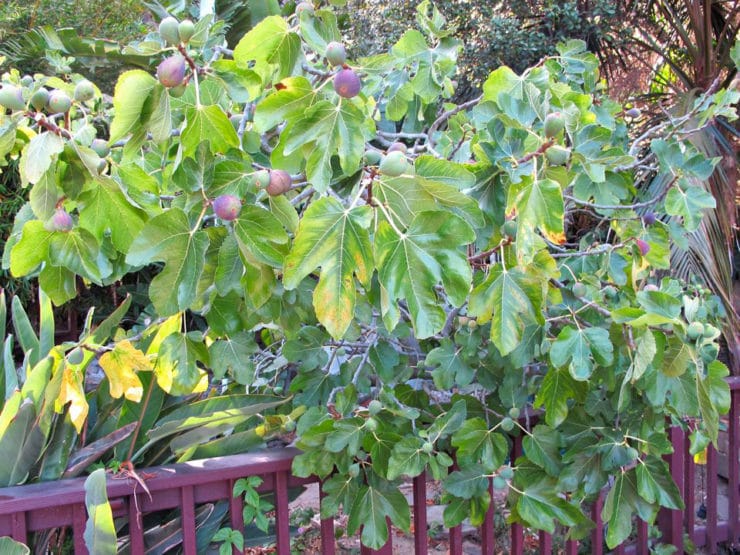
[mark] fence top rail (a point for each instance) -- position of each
(167, 477)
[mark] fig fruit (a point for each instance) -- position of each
(100, 147)
(374, 407)
(509, 228)
(227, 207)
(60, 221)
(499, 483)
(169, 30)
(371, 424)
(75, 356)
(710, 331)
(507, 424)
(26, 80)
(261, 179)
(279, 183)
(84, 91)
(59, 102)
(643, 246)
(171, 71)
(648, 218)
(11, 97)
(289, 426)
(40, 99)
(186, 30)
(695, 330)
(354, 470)
(579, 289)
(372, 157)
(633, 113)
(514, 413)
(507, 473)
(554, 125)
(398, 147)
(557, 155)
(427, 447)
(347, 83)
(393, 164)
(335, 53)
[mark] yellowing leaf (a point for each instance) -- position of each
(121, 365)
(72, 392)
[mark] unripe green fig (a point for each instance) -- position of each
(710, 331)
(499, 483)
(171, 71)
(507, 473)
(374, 407)
(11, 97)
(633, 113)
(507, 424)
(335, 53)
(169, 30)
(59, 102)
(472, 324)
(557, 155)
(579, 289)
(60, 221)
(84, 91)
(280, 182)
(261, 179)
(398, 146)
(643, 246)
(372, 157)
(186, 30)
(100, 147)
(695, 330)
(178, 91)
(354, 470)
(40, 99)
(347, 83)
(514, 413)
(393, 164)
(610, 292)
(427, 447)
(371, 424)
(304, 7)
(509, 228)
(277, 390)
(26, 80)
(227, 207)
(554, 125)
(75, 356)
(289, 426)
(102, 164)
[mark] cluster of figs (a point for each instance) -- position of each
(171, 71)
(18, 97)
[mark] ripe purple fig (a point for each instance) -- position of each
(171, 72)
(60, 221)
(335, 53)
(227, 207)
(633, 113)
(279, 183)
(347, 83)
(643, 246)
(648, 218)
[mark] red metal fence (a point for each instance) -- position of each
(44, 506)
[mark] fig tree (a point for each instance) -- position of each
(279, 183)
(11, 97)
(335, 53)
(59, 102)
(393, 164)
(40, 99)
(557, 155)
(171, 71)
(84, 91)
(398, 146)
(227, 207)
(60, 221)
(169, 30)
(186, 30)
(554, 125)
(347, 83)
(100, 147)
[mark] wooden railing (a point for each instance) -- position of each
(51, 505)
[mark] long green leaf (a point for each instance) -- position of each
(27, 338)
(100, 533)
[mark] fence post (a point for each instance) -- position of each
(670, 522)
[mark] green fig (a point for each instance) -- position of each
(169, 30)
(554, 125)
(335, 53)
(11, 97)
(557, 155)
(84, 91)
(59, 102)
(186, 30)
(393, 164)
(40, 99)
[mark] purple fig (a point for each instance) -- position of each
(347, 83)
(60, 221)
(643, 246)
(279, 183)
(171, 72)
(227, 207)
